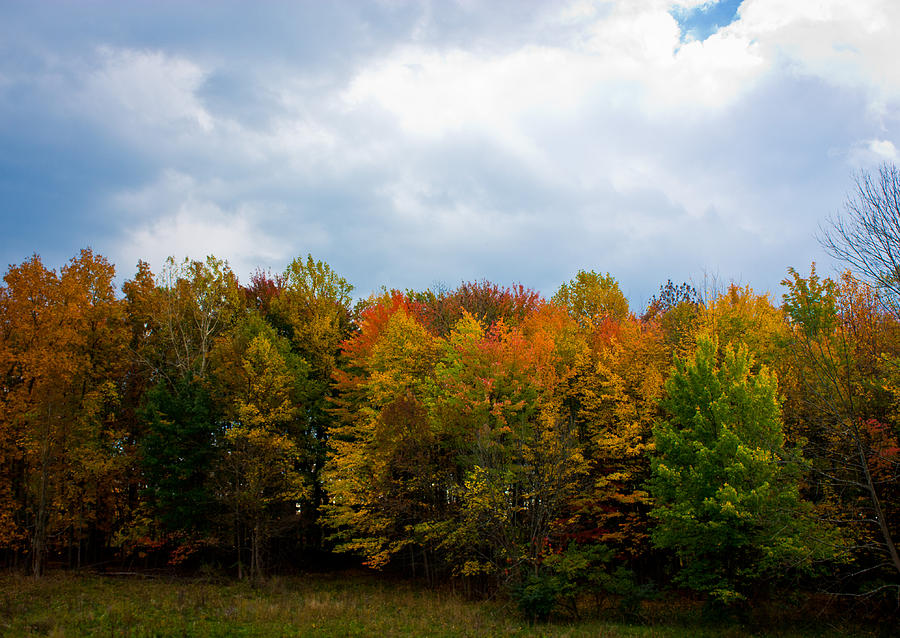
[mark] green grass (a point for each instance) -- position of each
(317, 605)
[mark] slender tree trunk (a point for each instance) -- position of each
(879, 511)
(39, 541)
(237, 542)
(254, 566)
(79, 534)
(870, 484)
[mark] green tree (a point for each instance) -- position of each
(177, 453)
(175, 321)
(725, 486)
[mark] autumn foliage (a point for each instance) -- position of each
(483, 435)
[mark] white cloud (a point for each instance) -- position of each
(435, 96)
(560, 109)
(630, 57)
(884, 149)
(178, 216)
(694, 4)
(145, 92)
(198, 229)
(868, 154)
(853, 44)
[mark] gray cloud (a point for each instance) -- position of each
(412, 143)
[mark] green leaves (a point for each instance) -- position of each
(811, 303)
(726, 494)
(177, 453)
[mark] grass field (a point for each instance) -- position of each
(355, 604)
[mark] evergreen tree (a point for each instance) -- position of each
(178, 453)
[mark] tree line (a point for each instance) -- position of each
(719, 441)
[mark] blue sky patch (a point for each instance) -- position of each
(701, 22)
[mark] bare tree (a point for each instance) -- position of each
(867, 236)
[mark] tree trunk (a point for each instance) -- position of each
(255, 570)
(237, 542)
(39, 541)
(876, 503)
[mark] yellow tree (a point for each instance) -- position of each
(93, 479)
(591, 297)
(257, 474)
(455, 447)
(384, 472)
(739, 315)
(525, 464)
(314, 302)
(615, 398)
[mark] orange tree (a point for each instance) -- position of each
(63, 339)
(454, 445)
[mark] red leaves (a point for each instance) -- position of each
(884, 449)
(263, 289)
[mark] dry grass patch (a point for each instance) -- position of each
(355, 604)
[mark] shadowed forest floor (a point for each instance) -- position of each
(346, 604)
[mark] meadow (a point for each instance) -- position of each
(344, 604)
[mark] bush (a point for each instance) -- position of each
(563, 576)
(537, 595)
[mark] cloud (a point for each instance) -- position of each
(631, 57)
(141, 92)
(179, 217)
(608, 125)
(852, 44)
(409, 143)
(884, 149)
(870, 154)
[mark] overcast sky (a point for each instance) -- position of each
(410, 143)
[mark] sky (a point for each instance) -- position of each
(411, 144)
